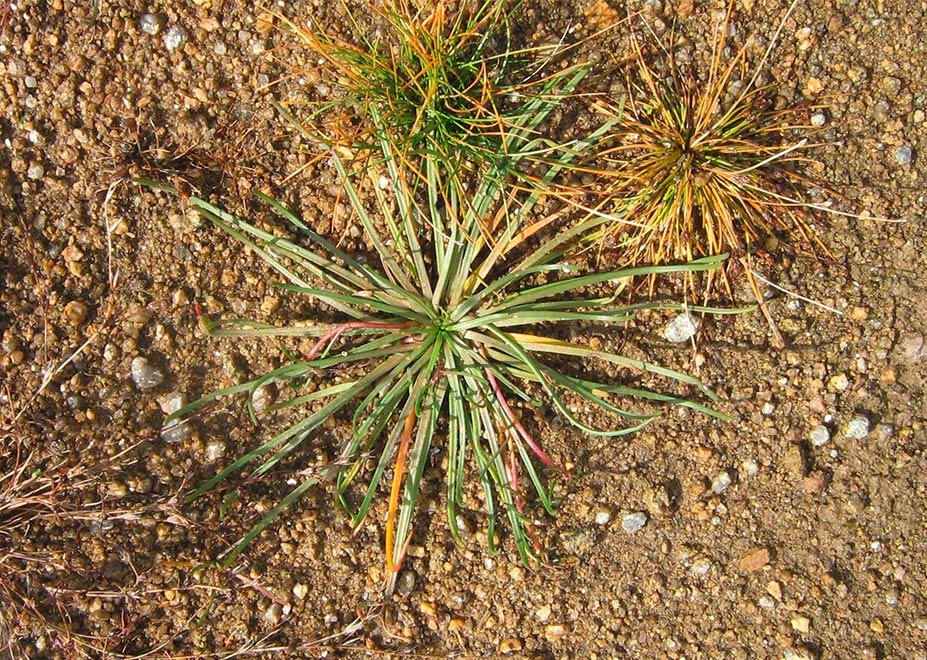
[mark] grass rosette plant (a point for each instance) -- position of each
(442, 80)
(705, 167)
(434, 350)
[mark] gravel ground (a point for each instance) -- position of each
(796, 530)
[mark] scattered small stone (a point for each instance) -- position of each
(603, 516)
(273, 614)
(144, 375)
(818, 119)
(150, 24)
(36, 171)
(914, 348)
(884, 431)
(839, 382)
(801, 624)
(754, 560)
(857, 428)
(300, 591)
(903, 155)
(634, 522)
(455, 624)
(819, 435)
(681, 329)
(750, 467)
(215, 450)
(263, 397)
(175, 38)
(814, 86)
(774, 589)
(768, 409)
(406, 583)
(117, 490)
(700, 567)
(555, 632)
(877, 626)
(428, 609)
(510, 645)
(720, 483)
(544, 613)
(767, 602)
(75, 312)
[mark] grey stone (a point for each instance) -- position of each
(634, 522)
(144, 375)
(819, 435)
(175, 38)
(681, 329)
(857, 428)
(904, 154)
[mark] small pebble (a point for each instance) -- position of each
(263, 397)
(904, 155)
(857, 428)
(774, 589)
(544, 613)
(681, 329)
(300, 591)
(750, 467)
(273, 614)
(175, 38)
(406, 583)
(634, 522)
(36, 171)
(144, 375)
(150, 24)
(75, 312)
(768, 409)
(555, 632)
(801, 623)
(839, 382)
(720, 483)
(767, 602)
(818, 119)
(819, 435)
(602, 516)
(754, 560)
(700, 567)
(215, 450)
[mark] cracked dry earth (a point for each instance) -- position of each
(796, 530)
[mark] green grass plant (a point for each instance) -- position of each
(441, 80)
(437, 343)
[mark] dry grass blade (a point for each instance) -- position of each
(703, 167)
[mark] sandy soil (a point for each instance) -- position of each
(812, 551)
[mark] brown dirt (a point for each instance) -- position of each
(812, 551)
